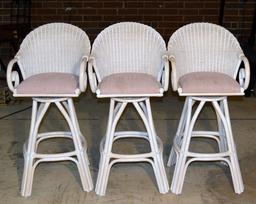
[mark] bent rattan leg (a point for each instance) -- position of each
(106, 161)
(32, 158)
(227, 150)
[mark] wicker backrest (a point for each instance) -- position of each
(54, 47)
(128, 47)
(204, 47)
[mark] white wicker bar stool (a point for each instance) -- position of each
(205, 61)
(52, 59)
(128, 65)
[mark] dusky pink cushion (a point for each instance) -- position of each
(207, 83)
(129, 84)
(49, 83)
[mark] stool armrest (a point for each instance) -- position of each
(12, 77)
(244, 73)
(173, 73)
(83, 75)
(164, 78)
(94, 78)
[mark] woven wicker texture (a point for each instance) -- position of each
(204, 47)
(128, 47)
(54, 47)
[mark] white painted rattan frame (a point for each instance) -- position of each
(182, 156)
(78, 155)
(61, 48)
(106, 49)
(230, 55)
(108, 158)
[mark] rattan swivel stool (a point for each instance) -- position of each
(128, 65)
(52, 59)
(205, 60)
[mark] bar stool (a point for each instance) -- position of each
(205, 61)
(52, 59)
(128, 64)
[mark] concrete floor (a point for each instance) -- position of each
(128, 183)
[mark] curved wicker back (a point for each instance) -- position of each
(204, 47)
(128, 47)
(54, 47)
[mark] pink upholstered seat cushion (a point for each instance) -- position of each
(49, 84)
(208, 83)
(129, 84)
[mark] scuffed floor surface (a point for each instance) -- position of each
(128, 183)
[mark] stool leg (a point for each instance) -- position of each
(234, 167)
(29, 148)
(180, 167)
(76, 123)
(82, 157)
(104, 168)
(157, 153)
(222, 134)
(181, 154)
(82, 165)
(179, 134)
